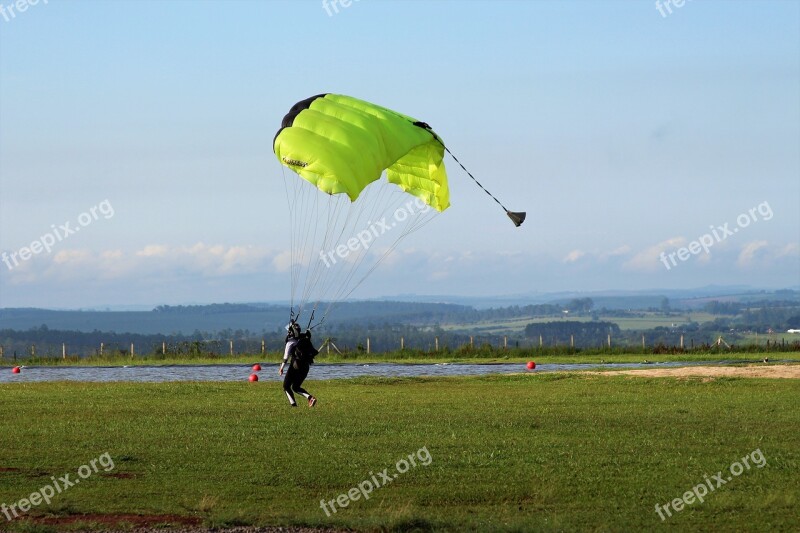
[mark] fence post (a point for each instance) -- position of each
(263, 346)
(163, 348)
(101, 348)
(572, 341)
(231, 346)
(368, 344)
(540, 341)
(1, 352)
(437, 344)
(471, 341)
(33, 350)
(505, 342)
(133, 352)
(609, 340)
(402, 343)
(642, 341)
(681, 342)
(63, 350)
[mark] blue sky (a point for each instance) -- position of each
(623, 133)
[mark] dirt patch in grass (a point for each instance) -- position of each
(711, 372)
(117, 520)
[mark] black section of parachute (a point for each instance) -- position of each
(288, 119)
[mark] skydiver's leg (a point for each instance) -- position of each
(298, 378)
(287, 386)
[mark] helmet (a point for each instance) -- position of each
(293, 328)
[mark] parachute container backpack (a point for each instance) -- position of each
(345, 219)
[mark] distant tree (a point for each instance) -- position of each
(793, 322)
(563, 331)
(722, 308)
(580, 305)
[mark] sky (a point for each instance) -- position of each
(625, 130)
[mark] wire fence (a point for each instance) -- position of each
(432, 346)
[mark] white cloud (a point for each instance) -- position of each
(151, 260)
(153, 250)
(649, 258)
(283, 261)
(762, 254)
(573, 256)
(616, 252)
(790, 250)
(752, 253)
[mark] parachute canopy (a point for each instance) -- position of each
(342, 144)
(345, 219)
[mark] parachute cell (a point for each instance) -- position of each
(342, 144)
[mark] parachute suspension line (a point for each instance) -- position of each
(292, 272)
(295, 230)
(383, 202)
(378, 205)
(346, 225)
(336, 204)
(301, 200)
(303, 223)
(311, 277)
(317, 275)
(366, 213)
(415, 224)
(345, 293)
(408, 231)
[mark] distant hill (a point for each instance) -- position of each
(177, 320)
(186, 320)
(260, 318)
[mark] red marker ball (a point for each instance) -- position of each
(256, 367)
(253, 377)
(531, 365)
(15, 370)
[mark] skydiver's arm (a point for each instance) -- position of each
(287, 352)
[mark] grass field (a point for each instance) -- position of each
(547, 452)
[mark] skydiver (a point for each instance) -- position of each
(299, 353)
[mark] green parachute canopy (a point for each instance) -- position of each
(342, 144)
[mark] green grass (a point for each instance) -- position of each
(548, 452)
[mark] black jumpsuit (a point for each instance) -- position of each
(298, 359)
